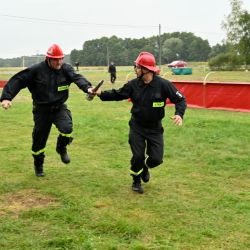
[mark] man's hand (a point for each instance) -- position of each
(90, 91)
(177, 120)
(94, 92)
(6, 104)
(98, 92)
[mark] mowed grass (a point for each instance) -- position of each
(199, 73)
(197, 199)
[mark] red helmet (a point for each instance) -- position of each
(54, 51)
(147, 60)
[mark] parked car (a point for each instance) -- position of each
(177, 64)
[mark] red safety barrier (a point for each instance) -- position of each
(216, 95)
(2, 83)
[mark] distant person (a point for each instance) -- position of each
(148, 93)
(48, 83)
(112, 71)
(77, 66)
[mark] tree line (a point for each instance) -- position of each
(99, 52)
(174, 46)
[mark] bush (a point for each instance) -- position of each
(226, 61)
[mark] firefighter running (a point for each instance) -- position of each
(48, 83)
(148, 93)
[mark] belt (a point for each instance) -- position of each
(154, 124)
(47, 108)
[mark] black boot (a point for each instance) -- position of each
(39, 171)
(136, 185)
(64, 156)
(62, 142)
(145, 175)
(38, 164)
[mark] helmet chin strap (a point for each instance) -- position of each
(48, 60)
(144, 74)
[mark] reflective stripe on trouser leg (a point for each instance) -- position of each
(38, 152)
(62, 142)
(136, 173)
(66, 135)
(39, 159)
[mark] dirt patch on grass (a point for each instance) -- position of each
(24, 200)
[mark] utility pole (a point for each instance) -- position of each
(23, 61)
(159, 45)
(107, 54)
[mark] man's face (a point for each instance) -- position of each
(138, 70)
(55, 63)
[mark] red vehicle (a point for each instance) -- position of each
(177, 64)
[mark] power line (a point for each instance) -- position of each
(66, 22)
(78, 23)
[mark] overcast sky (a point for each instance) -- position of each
(29, 27)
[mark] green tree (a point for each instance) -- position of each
(231, 23)
(237, 26)
(75, 56)
(171, 49)
(199, 50)
(219, 49)
(244, 42)
(225, 61)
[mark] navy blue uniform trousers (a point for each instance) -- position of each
(44, 117)
(145, 143)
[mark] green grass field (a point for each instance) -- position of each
(199, 198)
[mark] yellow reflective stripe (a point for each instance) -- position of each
(158, 104)
(134, 173)
(66, 135)
(146, 161)
(38, 152)
(61, 88)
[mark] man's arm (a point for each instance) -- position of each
(6, 104)
(78, 79)
(176, 97)
(115, 95)
(179, 100)
(13, 86)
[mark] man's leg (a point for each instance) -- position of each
(61, 147)
(155, 148)
(137, 145)
(38, 164)
(63, 122)
(41, 130)
(113, 78)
